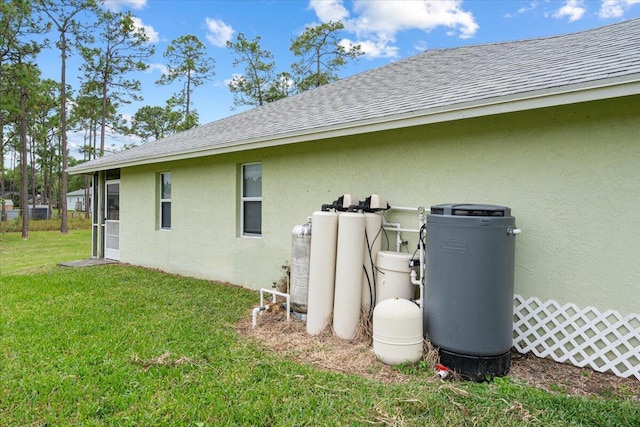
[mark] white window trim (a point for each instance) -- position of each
(244, 199)
(161, 183)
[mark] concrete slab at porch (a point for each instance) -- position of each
(91, 262)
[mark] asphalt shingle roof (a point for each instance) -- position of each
(432, 80)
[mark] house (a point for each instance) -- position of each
(37, 212)
(548, 127)
(8, 204)
(76, 200)
(7, 209)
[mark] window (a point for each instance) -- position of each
(112, 174)
(165, 201)
(252, 199)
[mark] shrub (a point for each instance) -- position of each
(74, 222)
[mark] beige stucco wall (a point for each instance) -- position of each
(570, 174)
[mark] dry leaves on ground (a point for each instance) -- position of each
(357, 357)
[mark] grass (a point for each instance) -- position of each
(75, 221)
(120, 345)
(41, 250)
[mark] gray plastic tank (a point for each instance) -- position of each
(468, 307)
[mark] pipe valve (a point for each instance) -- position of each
(513, 231)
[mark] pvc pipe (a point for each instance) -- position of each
(409, 230)
(419, 283)
(415, 279)
(402, 208)
(276, 293)
(262, 307)
(254, 315)
(394, 226)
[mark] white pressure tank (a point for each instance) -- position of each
(393, 278)
(348, 285)
(397, 331)
(322, 268)
(373, 242)
(299, 274)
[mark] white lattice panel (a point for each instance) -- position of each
(581, 336)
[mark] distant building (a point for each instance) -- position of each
(76, 200)
(8, 204)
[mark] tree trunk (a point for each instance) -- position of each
(12, 182)
(46, 191)
(103, 116)
(93, 138)
(64, 228)
(3, 214)
(188, 94)
(52, 159)
(87, 197)
(32, 156)
(24, 176)
(318, 63)
(45, 186)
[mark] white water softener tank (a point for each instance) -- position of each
(397, 331)
(372, 244)
(300, 259)
(348, 282)
(322, 270)
(393, 278)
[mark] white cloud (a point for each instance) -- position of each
(615, 8)
(235, 77)
(524, 9)
(390, 17)
(148, 30)
(611, 9)
(375, 47)
(218, 33)
(532, 6)
(347, 44)
(376, 23)
(118, 5)
(222, 83)
(329, 10)
(572, 9)
(126, 118)
(421, 45)
(159, 67)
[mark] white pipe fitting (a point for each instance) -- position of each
(254, 314)
(403, 208)
(262, 307)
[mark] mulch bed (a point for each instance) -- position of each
(357, 357)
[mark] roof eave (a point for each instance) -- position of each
(548, 97)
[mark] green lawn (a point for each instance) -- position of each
(41, 250)
(119, 345)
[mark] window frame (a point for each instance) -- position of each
(244, 199)
(162, 201)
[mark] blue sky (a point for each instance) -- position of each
(388, 30)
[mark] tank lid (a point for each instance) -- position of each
(467, 209)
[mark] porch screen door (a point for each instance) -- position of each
(112, 220)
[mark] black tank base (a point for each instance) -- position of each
(476, 368)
